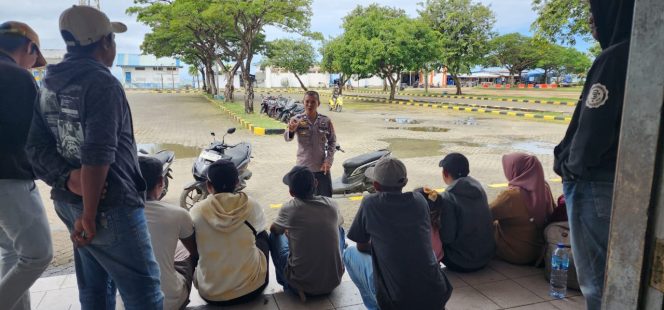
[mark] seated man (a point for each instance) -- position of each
(466, 228)
(232, 241)
(395, 229)
(307, 239)
(168, 223)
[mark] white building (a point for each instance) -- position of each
(148, 71)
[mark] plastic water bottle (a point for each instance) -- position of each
(559, 267)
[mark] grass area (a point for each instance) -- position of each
(257, 119)
(531, 98)
(480, 93)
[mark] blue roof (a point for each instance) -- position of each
(137, 60)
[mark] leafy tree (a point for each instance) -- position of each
(248, 18)
(552, 58)
(595, 50)
(338, 58)
(296, 56)
(514, 52)
(575, 62)
(465, 30)
(562, 20)
(383, 41)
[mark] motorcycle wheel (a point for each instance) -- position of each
(339, 108)
(330, 107)
(191, 196)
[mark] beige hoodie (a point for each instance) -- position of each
(230, 264)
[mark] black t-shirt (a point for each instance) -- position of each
(406, 274)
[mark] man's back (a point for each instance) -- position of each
(312, 225)
(406, 273)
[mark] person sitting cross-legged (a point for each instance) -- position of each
(306, 240)
(167, 224)
(393, 264)
(232, 241)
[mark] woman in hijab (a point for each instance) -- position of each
(521, 212)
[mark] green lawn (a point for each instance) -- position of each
(257, 119)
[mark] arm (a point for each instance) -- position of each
(358, 232)
(501, 206)
(92, 180)
(448, 220)
(277, 229)
(331, 145)
(290, 132)
(190, 244)
(187, 234)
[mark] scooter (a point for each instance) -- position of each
(353, 180)
(336, 103)
(166, 158)
(239, 154)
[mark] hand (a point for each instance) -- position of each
(74, 182)
(325, 168)
(84, 230)
(292, 125)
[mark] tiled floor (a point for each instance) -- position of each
(500, 286)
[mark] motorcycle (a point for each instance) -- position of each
(166, 158)
(336, 103)
(353, 179)
(239, 154)
(297, 109)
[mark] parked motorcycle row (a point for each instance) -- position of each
(281, 108)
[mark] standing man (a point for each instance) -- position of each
(82, 144)
(316, 142)
(586, 158)
(25, 238)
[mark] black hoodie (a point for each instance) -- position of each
(589, 150)
(83, 118)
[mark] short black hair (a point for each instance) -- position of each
(391, 189)
(301, 182)
(151, 169)
(223, 176)
(81, 50)
(456, 165)
(313, 93)
(11, 42)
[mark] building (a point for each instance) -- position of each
(148, 71)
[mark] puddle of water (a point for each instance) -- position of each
(466, 144)
(470, 121)
(402, 120)
(422, 129)
(180, 150)
(409, 148)
(535, 147)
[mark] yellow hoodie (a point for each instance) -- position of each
(230, 264)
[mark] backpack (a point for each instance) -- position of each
(554, 233)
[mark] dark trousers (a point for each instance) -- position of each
(456, 268)
(263, 244)
(324, 184)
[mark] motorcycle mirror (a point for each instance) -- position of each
(338, 147)
(212, 133)
(231, 130)
(142, 151)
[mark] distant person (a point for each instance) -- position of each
(82, 144)
(586, 157)
(25, 238)
(316, 142)
(172, 236)
(393, 264)
(306, 239)
(232, 241)
(521, 212)
(465, 223)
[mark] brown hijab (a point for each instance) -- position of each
(525, 172)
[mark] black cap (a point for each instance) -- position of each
(223, 175)
(300, 181)
(456, 165)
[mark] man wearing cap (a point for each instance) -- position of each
(466, 225)
(82, 144)
(401, 271)
(25, 239)
(306, 240)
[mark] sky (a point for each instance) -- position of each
(42, 16)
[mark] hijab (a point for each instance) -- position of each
(525, 172)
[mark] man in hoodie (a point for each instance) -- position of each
(466, 228)
(172, 236)
(393, 264)
(307, 239)
(81, 143)
(586, 157)
(25, 239)
(232, 241)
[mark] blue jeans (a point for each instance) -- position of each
(360, 270)
(25, 242)
(120, 255)
(589, 211)
(279, 251)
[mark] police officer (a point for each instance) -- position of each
(316, 142)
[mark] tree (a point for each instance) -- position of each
(515, 52)
(562, 20)
(575, 62)
(552, 58)
(338, 58)
(465, 30)
(248, 18)
(428, 47)
(383, 41)
(296, 56)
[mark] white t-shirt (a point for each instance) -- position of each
(168, 223)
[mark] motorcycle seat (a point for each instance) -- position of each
(164, 156)
(363, 159)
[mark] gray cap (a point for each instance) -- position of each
(388, 171)
(82, 25)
